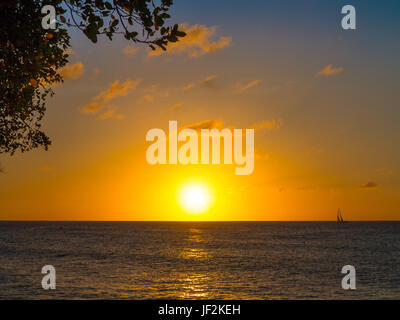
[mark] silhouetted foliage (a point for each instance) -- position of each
(31, 57)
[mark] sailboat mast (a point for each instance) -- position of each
(339, 216)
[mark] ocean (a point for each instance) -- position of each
(199, 260)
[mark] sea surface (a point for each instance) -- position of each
(199, 260)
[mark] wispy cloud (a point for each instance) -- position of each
(72, 72)
(329, 70)
(148, 97)
(190, 86)
(196, 43)
(245, 86)
(69, 72)
(267, 125)
(111, 113)
(130, 50)
(69, 52)
(96, 71)
(207, 82)
(369, 185)
(153, 93)
(206, 124)
(176, 107)
(115, 90)
(219, 124)
(92, 107)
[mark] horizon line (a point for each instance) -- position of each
(44, 220)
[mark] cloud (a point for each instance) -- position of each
(190, 86)
(246, 86)
(206, 124)
(219, 124)
(196, 43)
(153, 88)
(69, 52)
(176, 107)
(267, 125)
(72, 72)
(69, 72)
(130, 50)
(329, 70)
(92, 107)
(208, 82)
(115, 90)
(154, 93)
(111, 113)
(148, 97)
(96, 71)
(369, 185)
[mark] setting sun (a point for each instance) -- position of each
(195, 198)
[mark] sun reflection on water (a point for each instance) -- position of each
(195, 285)
(195, 236)
(195, 254)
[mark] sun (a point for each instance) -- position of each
(195, 198)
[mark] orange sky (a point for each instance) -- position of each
(321, 100)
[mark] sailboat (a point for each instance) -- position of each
(339, 217)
